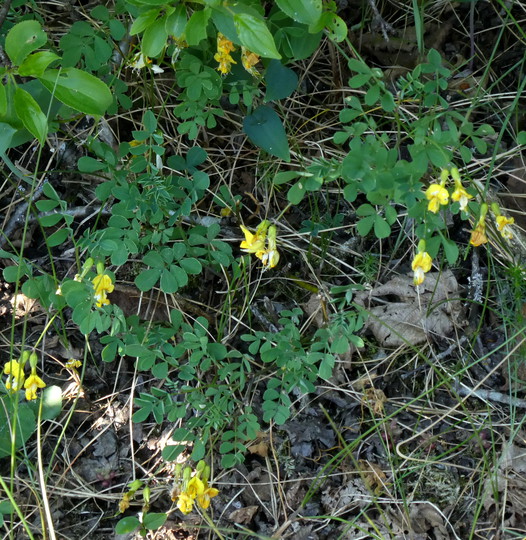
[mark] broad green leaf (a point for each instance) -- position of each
(303, 11)
(26, 425)
(154, 38)
(381, 228)
(147, 279)
(255, 36)
(24, 38)
(296, 193)
(127, 525)
(78, 89)
(281, 81)
(336, 27)
(154, 520)
(176, 22)
(284, 177)
(29, 111)
(143, 21)
(6, 135)
(169, 283)
(196, 27)
(35, 64)
(3, 100)
(264, 129)
(51, 402)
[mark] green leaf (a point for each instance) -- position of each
(521, 137)
(255, 36)
(303, 11)
(450, 249)
(90, 165)
(336, 27)
(6, 135)
(26, 425)
(191, 266)
(381, 228)
(51, 402)
(284, 177)
(169, 283)
(143, 21)
(264, 129)
(281, 81)
(24, 38)
(3, 100)
(127, 525)
(35, 64)
(196, 26)
(78, 89)
(147, 279)
(176, 22)
(296, 193)
(365, 225)
(29, 111)
(154, 520)
(154, 38)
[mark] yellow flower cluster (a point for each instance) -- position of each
(103, 285)
(194, 489)
(249, 60)
(478, 235)
(421, 264)
(262, 243)
(16, 378)
(438, 195)
(222, 56)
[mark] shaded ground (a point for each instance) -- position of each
(422, 442)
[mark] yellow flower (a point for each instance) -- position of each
(503, 226)
(185, 503)
(15, 375)
(222, 57)
(195, 487)
(249, 60)
(478, 235)
(32, 384)
(460, 195)
(103, 285)
(255, 243)
(72, 363)
(124, 503)
(420, 265)
(270, 256)
(203, 500)
(436, 195)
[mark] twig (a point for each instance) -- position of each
(488, 395)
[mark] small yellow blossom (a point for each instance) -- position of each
(32, 384)
(249, 60)
(15, 375)
(185, 503)
(203, 499)
(503, 226)
(222, 57)
(73, 364)
(195, 487)
(103, 285)
(460, 195)
(421, 265)
(437, 195)
(124, 503)
(478, 234)
(255, 243)
(270, 256)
